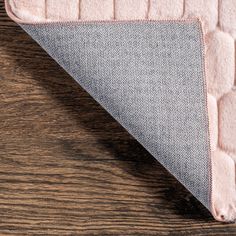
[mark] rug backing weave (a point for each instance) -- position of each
(150, 77)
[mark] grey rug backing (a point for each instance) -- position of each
(149, 77)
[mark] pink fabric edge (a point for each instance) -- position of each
(19, 21)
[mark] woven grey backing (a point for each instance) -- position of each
(149, 77)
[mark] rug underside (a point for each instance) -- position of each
(150, 77)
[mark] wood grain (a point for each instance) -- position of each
(68, 168)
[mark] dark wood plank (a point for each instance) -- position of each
(67, 168)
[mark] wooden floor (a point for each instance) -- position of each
(68, 168)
